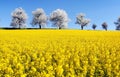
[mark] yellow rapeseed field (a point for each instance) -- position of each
(59, 53)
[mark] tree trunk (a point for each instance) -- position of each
(106, 29)
(19, 22)
(19, 26)
(81, 27)
(40, 26)
(60, 28)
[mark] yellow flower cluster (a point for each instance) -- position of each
(59, 53)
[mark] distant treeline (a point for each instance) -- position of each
(58, 18)
(10, 28)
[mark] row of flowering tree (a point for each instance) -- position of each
(59, 18)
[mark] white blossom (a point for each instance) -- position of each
(81, 20)
(19, 18)
(39, 17)
(59, 18)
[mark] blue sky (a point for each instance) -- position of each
(98, 11)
